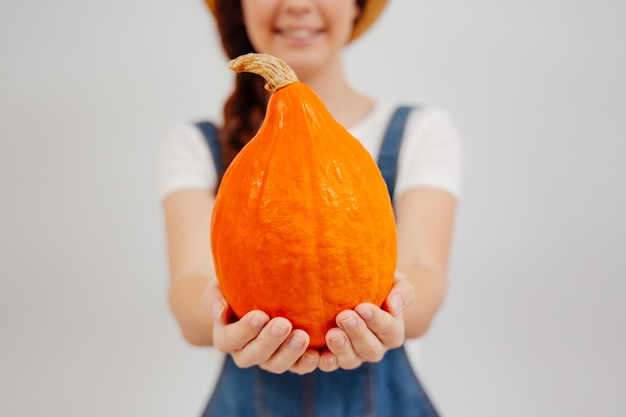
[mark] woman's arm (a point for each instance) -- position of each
(199, 307)
(188, 224)
(425, 218)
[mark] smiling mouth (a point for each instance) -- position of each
(299, 34)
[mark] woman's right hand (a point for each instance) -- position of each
(254, 339)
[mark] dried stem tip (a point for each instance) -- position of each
(275, 71)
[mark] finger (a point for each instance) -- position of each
(339, 344)
(213, 301)
(388, 329)
(364, 343)
(261, 348)
(401, 295)
(235, 336)
(328, 361)
(307, 363)
(288, 353)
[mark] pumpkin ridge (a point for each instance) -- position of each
(305, 237)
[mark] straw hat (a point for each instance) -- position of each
(368, 16)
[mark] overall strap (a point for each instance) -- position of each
(389, 150)
(209, 130)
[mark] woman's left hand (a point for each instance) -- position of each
(367, 332)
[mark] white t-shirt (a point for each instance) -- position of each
(430, 153)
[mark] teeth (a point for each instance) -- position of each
(299, 33)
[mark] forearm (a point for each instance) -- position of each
(430, 288)
(425, 218)
(185, 300)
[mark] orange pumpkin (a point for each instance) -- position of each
(303, 225)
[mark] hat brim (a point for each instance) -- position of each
(369, 14)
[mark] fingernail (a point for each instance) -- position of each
(217, 309)
(338, 341)
(349, 323)
(278, 330)
(396, 304)
(296, 342)
(330, 360)
(257, 322)
(366, 313)
(399, 274)
(308, 358)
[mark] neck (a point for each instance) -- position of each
(347, 105)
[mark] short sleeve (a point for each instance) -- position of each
(430, 154)
(185, 162)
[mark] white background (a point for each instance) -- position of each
(534, 322)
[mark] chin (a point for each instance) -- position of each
(304, 63)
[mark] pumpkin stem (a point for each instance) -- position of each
(275, 71)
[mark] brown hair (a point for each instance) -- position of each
(244, 110)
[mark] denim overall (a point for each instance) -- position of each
(388, 388)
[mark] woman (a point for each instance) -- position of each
(269, 368)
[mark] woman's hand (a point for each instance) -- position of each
(367, 332)
(256, 340)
